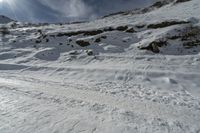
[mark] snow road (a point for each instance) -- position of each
(67, 108)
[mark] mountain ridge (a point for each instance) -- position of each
(4, 19)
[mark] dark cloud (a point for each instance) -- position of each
(66, 10)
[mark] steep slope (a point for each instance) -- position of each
(135, 71)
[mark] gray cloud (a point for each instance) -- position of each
(70, 8)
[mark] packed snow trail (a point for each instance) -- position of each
(34, 101)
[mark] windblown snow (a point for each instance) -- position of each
(132, 72)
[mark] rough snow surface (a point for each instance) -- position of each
(121, 76)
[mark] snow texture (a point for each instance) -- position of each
(131, 72)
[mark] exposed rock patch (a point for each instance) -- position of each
(82, 43)
(165, 24)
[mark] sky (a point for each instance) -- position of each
(65, 10)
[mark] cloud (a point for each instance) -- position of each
(29, 11)
(89, 9)
(70, 8)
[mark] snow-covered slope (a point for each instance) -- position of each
(4, 19)
(135, 71)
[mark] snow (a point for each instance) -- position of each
(49, 83)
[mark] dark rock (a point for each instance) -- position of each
(154, 46)
(180, 1)
(98, 40)
(85, 33)
(92, 33)
(89, 52)
(44, 36)
(52, 36)
(158, 4)
(40, 31)
(122, 28)
(191, 44)
(108, 29)
(4, 31)
(131, 30)
(174, 37)
(38, 41)
(82, 43)
(103, 37)
(73, 52)
(165, 24)
(140, 26)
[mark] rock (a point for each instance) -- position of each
(89, 52)
(154, 46)
(180, 1)
(122, 28)
(131, 30)
(82, 43)
(98, 40)
(74, 52)
(165, 24)
(38, 41)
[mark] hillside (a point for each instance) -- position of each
(4, 19)
(132, 71)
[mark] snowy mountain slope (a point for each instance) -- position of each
(4, 19)
(131, 72)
